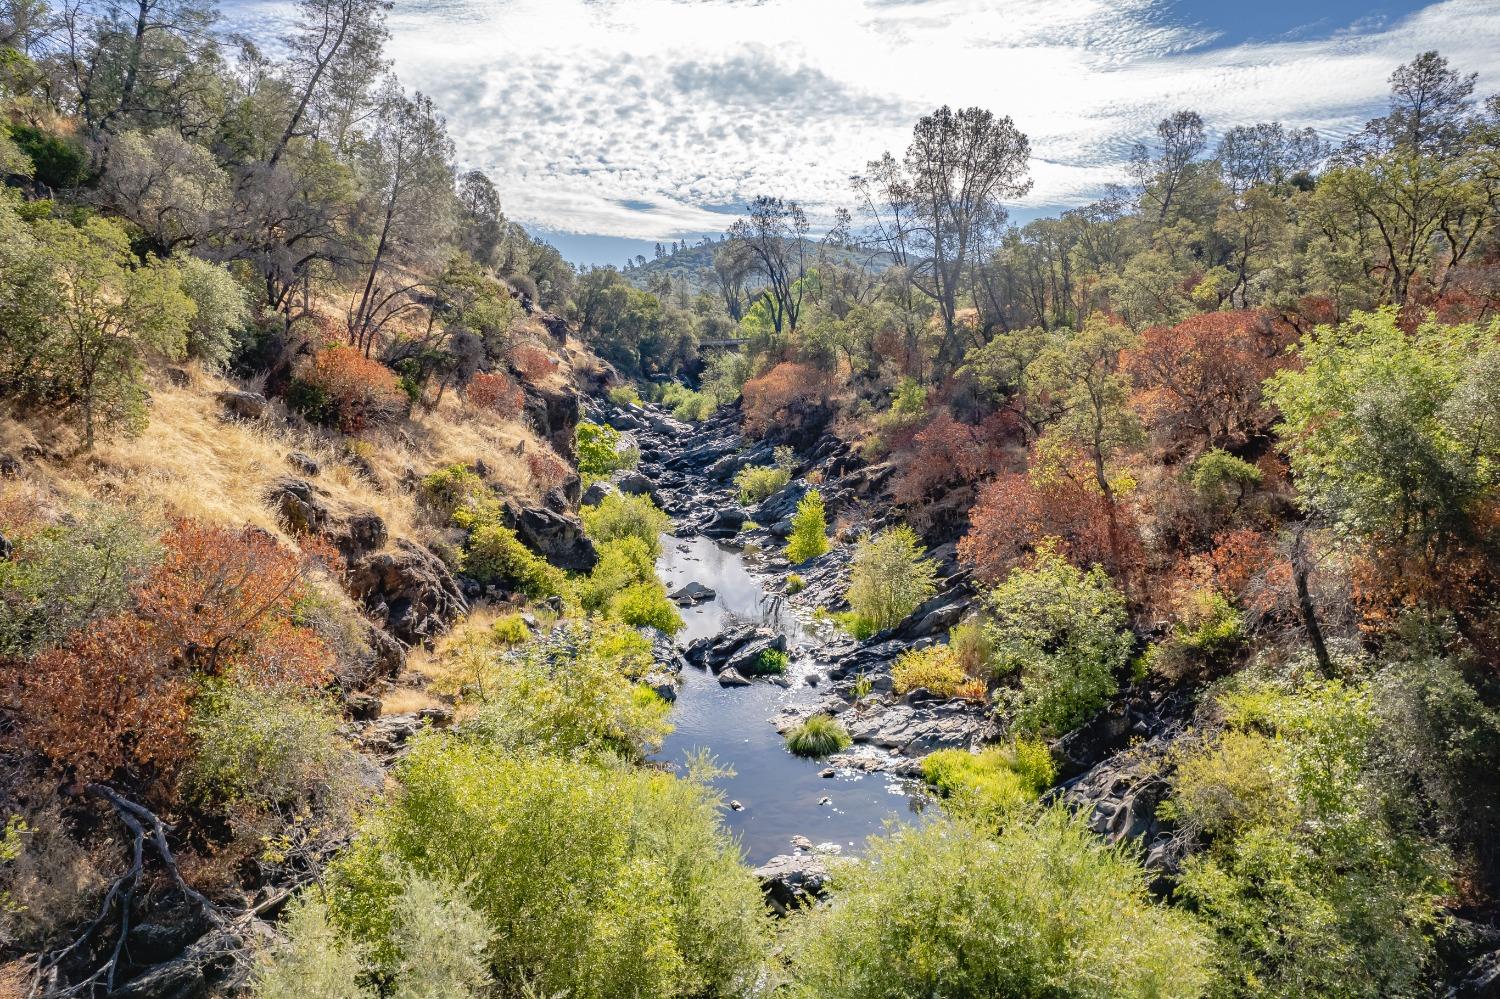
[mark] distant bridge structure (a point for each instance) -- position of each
(723, 343)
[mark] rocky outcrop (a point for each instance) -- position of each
(555, 413)
(299, 506)
(557, 537)
(920, 728)
(409, 591)
(243, 405)
(692, 594)
(735, 648)
(792, 880)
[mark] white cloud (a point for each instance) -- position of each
(639, 117)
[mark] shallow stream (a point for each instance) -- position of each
(781, 795)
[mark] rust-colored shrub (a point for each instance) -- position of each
(114, 701)
(340, 387)
(946, 452)
(789, 395)
(548, 471)
(532, 362)
(497, 392)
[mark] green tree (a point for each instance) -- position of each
(1044, 909)
(111, 313)
(1394, 436)
(1063, 630)
(809, 529)
(890, 578)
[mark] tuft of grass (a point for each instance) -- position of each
(510, 630)
(819, 736)
(994, 781)
(795, 583)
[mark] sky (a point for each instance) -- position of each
(610, 125)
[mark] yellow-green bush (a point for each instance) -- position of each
(994, 781)
(495, 555)
(510, 629)
(621, 516)
(934, 668)
(818, 736)
(756, 483)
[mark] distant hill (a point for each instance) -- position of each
(694, 264)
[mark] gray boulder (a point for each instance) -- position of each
(792, 880)
(409, 591)
(243, 405)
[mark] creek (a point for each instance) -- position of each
(780, 795)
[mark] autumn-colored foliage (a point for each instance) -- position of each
(1018, 510)
(788, 394)
(342, 387)
(946, 452)
(497, 392)
(1200, 381)
(114, 700)
(548, 471)
(532, 362)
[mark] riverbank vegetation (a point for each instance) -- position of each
(304, 619)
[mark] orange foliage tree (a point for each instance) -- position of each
(946, 452)
(115, 700)
(533, 362)
(790, 394)
(1200, 380)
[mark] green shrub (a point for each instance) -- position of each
(1310, 877)
(809, 529)
(510, 629)
(771, 662)
(1063, 630)
(60, 577)
(756, 483)
(493, 554)
(599, 451)
(994, 782)
(575, 690)
(453, 489)
(1044, 909)
(795, 583)
(265, 749)
(854, 625)
(622, 562)
(818, 736)
(1221, 480)
(313, 962)
(972, 647)
(595, 881)
(863, 686)
(624, 395)
(645, 604)
(621, 516)
(687, 404)
(890, 577)
(934, 668)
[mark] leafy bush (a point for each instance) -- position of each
(795, 583)
(934, 668)
(758, 482)
(1310, 882)
(771, 662)
(890, 578)
(687, 404)
(510, 629)
(994, 782)
(264, 749)
(493, 554)
(1063, 630)
(621, 516)
(599, 453)
(646, 604)
(809, 529)
(972, 647)
(453, 489)
(818, 736)
(854, 625)
(497, 392)
(1221, 480)
(595, 881)
(1044, 909)
(622, 562)
(624, 395)
(575, 690)
(343, 388)
(789, 395)
(58, 578)
(221, 311)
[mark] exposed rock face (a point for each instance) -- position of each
(792, 880)
(385, 660)
(557, 537)
(919, 729)
(555, 413)
(409, 591)
(388, 735)
(357, 535)
(243, 405)
(297, 503)
(692, 594)
(304, 463)
(726, 523)
(737, 648)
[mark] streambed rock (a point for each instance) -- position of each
(792, 880)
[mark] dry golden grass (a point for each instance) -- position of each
(407, 700)
(192, 461)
